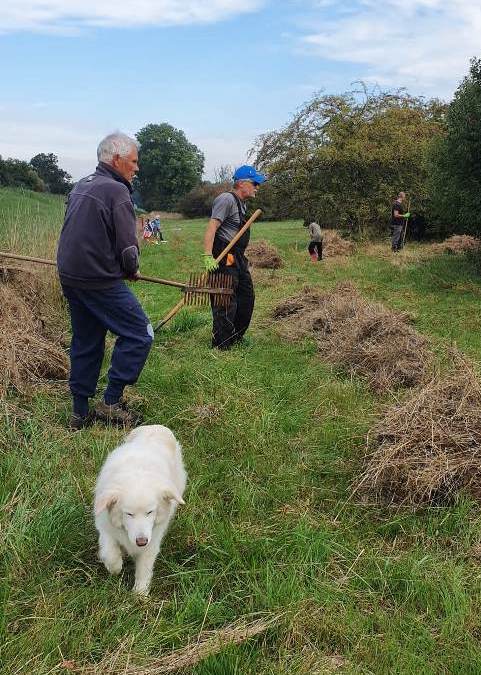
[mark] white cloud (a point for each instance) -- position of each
(421, 43)
(68, 16)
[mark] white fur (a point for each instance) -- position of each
(137, 492)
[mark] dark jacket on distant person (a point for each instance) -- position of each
(98, 244)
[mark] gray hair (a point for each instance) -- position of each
(115, 144)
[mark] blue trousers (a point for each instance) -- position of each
(92, 314)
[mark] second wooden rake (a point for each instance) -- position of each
(198, 291)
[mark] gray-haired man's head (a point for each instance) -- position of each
(121, 153)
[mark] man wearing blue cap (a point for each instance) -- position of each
(227, 218)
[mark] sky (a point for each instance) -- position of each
(223, 71)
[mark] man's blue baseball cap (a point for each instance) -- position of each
(247, 172)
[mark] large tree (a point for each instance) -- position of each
(456, 160)
(343, 158)
(56, 179)
(169, 166)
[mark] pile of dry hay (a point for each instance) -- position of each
(29, 345)
(458, 243)
(333, 244)
(428, 448)
(364, 337)
(264, 255)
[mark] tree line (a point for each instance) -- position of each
(41, 174)
(341, 160)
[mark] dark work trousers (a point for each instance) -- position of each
(397, 236)
(92, 314)
(230, 323)
(315, 247)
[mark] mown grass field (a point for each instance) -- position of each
(273, 438)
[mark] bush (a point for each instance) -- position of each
(15, 173)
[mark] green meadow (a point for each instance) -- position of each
(273, 439)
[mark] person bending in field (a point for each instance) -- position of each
(229, 324)
(97, 251)
(315, 244)
(399, 218)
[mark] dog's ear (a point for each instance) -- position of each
(171, 494)
(105, 500)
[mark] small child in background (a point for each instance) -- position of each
(147, 233)
(157, 230)
(315, 245)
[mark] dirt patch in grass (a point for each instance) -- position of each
(363, 337)
(263, 255)
(30, 340)
(427, 449)
(335, 245)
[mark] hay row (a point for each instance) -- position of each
(263, 255)
(458, 243)
(363, 337)
(335, 245)
(427, 449)
(29, 346)
(424, 449)
(206, 644)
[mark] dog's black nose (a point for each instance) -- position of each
(141, 541)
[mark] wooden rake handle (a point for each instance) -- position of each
(221, 255)
(140, 277)
(405, 229)
(29, 258)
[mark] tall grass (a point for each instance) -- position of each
(29, 225)
(30, 222)
(272, 439)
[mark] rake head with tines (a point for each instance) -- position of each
(215, 287)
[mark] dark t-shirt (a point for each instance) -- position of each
(225, 209)
(397, 206)
(231, 213)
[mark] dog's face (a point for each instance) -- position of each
(138, 510)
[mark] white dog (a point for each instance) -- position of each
(136, 495)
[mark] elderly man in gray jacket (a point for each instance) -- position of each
(97, 251)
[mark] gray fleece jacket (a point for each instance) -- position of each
(98, 243)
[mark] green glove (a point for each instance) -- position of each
(407, 215)
(210, 263)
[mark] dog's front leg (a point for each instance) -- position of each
(110, 554)
(144, 568)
